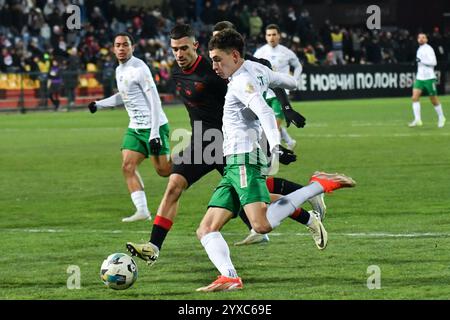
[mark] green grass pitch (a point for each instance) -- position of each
(63, 196)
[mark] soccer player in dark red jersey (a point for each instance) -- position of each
(203, 93)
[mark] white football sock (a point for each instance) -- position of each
(416, 110)
(218, 252)
(439, 111)
(285, 135)
(140, 201)
(285, 206)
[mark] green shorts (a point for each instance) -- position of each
(427, 86)
(243, 182)
(138, 140)
(275, 104)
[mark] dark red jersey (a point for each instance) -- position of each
(202, 92)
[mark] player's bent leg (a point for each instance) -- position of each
(256, 213)
(162, 164)
(255, 237)
(317, 201)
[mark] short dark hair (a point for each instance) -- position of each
(273, 26)
(181, 31)
(124, 34)
(222, 25)
(227, 40)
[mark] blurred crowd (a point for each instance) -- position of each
(34, 36)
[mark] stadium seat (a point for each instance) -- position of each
(91, 67)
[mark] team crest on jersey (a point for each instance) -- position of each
(249, 88)
(199, 86)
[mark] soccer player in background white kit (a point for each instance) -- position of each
(243, 183)
(425, 81)
(148, 130)
(281, 59)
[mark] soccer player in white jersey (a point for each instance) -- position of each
(425, 81)
(148, 129)
(243, 183)
(281, 59)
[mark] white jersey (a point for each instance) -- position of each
(281, 59)
(138, 92)
(246, 88)
(426, 61)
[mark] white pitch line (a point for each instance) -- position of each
(413, 133)
(276, 234)
(395, 123)
(369, 234)
(59, 129)
(357, 135)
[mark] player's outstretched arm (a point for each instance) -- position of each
(113, 101)
(281, 80)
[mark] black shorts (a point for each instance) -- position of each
(196, 161)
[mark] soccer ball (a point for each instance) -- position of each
(118, 271)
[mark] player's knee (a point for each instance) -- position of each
(204, 229)
(201, 232)
(434, 101)
(128, 168)
(261, 227)
(163, 171)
